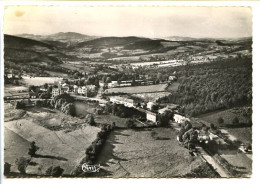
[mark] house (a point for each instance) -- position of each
(56, 92)
(180, 119)
(150, 105)
(203, 136)
(91, 87)
(163, 110)
(112, 84)
(82, 90)
(122, 100)
(150, 116)
(75, 89)
(172, 78)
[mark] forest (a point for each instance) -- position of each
(212, 86)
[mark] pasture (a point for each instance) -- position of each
(147, 153)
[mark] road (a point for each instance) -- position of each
(212, 162)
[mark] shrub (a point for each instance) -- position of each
(20, 105)
(56, 171)
(7, 168)
(113, 125)
(235, 121)
(22, 164)
(130, 123)
(220, 121)
(91, 120)
(33, 149)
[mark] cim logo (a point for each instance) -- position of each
(90, 168)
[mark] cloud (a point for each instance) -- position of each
(126, 21)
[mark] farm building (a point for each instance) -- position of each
(85, 89)
(150, 116)
(112, 84)
(172, 78)
(59, 90)
(180, 119)
(163, 110)
(150, 105)
(122, 100)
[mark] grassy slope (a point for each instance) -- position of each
(146, 153)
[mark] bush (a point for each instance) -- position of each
(56, 171)
(7, 168)
(91, 120)
(130, 123)
(235, 121)
(22, 164)
(20, 105)
(33, 149)
(220, 121)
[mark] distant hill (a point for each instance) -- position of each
(64, 37)
(129, 43)
(24, 43)
(24, 50)
(179, 38)
(111, 41)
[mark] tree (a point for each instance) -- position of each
(7, 168)
(56, 171)
(235, 121)
(159, 76)
(220, 121)
(108, 80)
(113, 125)
(91, 120)
(212, 126)
(130, 123)
(33, 149)
(22, 164)
(20, 105)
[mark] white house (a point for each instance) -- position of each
(180, 119)
(163, 110)
(121, 100)
(150, 105)
(150, 116)
(172, 78)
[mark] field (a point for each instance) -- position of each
(173, 87)
(11, 90)
(138, 89)
(64, 147)
(37, 81)
(152, 96)
(147, 153)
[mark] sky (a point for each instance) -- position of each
(153, 22)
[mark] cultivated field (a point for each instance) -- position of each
(63, 147)
(138, 89)
(147, 153)
(37, 81)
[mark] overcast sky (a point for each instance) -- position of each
(215, 22)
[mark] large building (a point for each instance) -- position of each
(150, 116)
(122, 100)
(180, 119)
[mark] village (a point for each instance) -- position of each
(193, 134)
